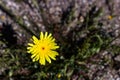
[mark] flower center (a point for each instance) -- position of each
(43, 48)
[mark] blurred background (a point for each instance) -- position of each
(87, 31)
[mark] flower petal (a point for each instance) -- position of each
(41, 36)
(42, 59)
(53, 54)
(35, 40)
(46, 33)
(49, 35)
(47, 58)
(30, 44)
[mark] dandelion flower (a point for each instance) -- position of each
(43, 49)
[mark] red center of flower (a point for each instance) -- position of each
(43, 48)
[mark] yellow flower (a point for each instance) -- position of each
(43, 49)
(59, 75)
(2, 17)
(110, 17)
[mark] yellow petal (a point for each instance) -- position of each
(30, 44)
(36, 58)
(33, 50)
(34, 55)
(33, 59)
(53, 39)
(53, 54)
(46, 33)
(42, 59)
(54, 47)
(28, 52)
(29, 48)
(47, 58)
(49, 35)
(35, 40)
(41, 36)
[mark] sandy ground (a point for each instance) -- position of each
(110, 18)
